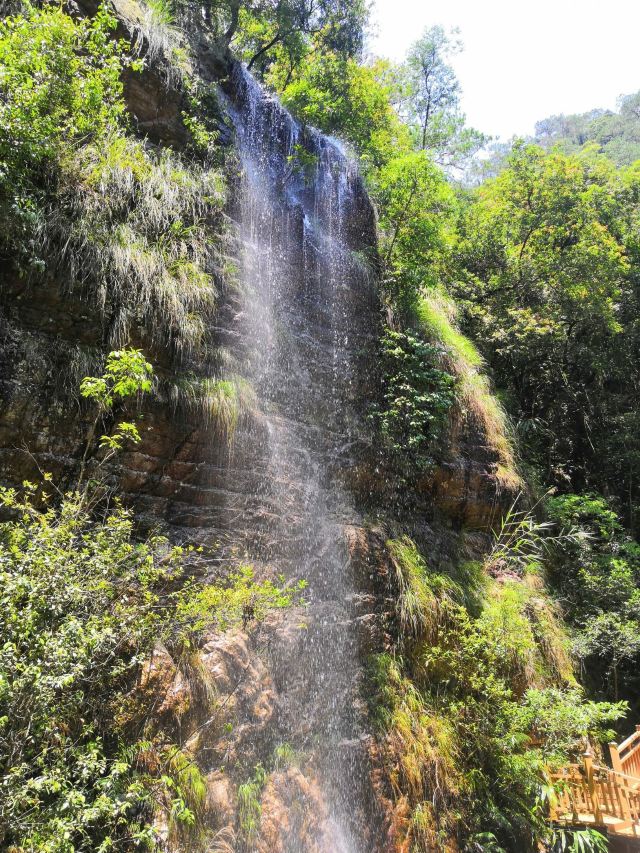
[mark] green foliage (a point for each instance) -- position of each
(285, 756)
(224, 402)
(544, 278)
(59, 87)
(163, 11)
(85, 201)
(224, 604)
(82, 605)
(352, 101)
(277, 40)
(420, 750)
(301, 162)
(483, 699)
(475, 402)
(617, 134)
(578, 841)
(416, 398)
(137, 224)
(520, 540)
(418, 591)
(127, 374)
(417, 208)
(60, 82)
(563, 720)
(597, 576)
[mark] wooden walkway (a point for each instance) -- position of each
(602, 797)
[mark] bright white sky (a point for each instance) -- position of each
(524, 60)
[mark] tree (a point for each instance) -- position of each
(617, 134)
(352, 101)
(544, 274)
(596, 573)
(281, 32)
(417, 211)
(432, 99)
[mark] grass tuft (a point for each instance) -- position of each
(527, 627)
(220, 402)
(419, 592)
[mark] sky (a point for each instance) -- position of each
(524, 61)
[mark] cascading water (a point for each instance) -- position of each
(305, 318)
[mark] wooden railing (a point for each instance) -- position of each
(625, 757)
(590, 794)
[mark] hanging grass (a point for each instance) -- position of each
(415, 602)
(223, 403)
(134, 229)
(475, 401)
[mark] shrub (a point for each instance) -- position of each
(82, 603)
(59, 87)
(479, 703)
(416, 398)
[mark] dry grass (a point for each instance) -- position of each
(421, 756)
(224, 841)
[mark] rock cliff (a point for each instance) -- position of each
(295, 489)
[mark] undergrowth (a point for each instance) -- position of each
(476, 700)
(82, 606)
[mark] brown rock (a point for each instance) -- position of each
(293, 808)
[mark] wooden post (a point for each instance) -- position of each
(619, 783)
(593, 789)
(614, 752)
(635, 768)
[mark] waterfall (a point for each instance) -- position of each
(306, 306)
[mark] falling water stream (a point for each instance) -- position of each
(304, 297)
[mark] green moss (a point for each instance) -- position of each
(436, 316)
